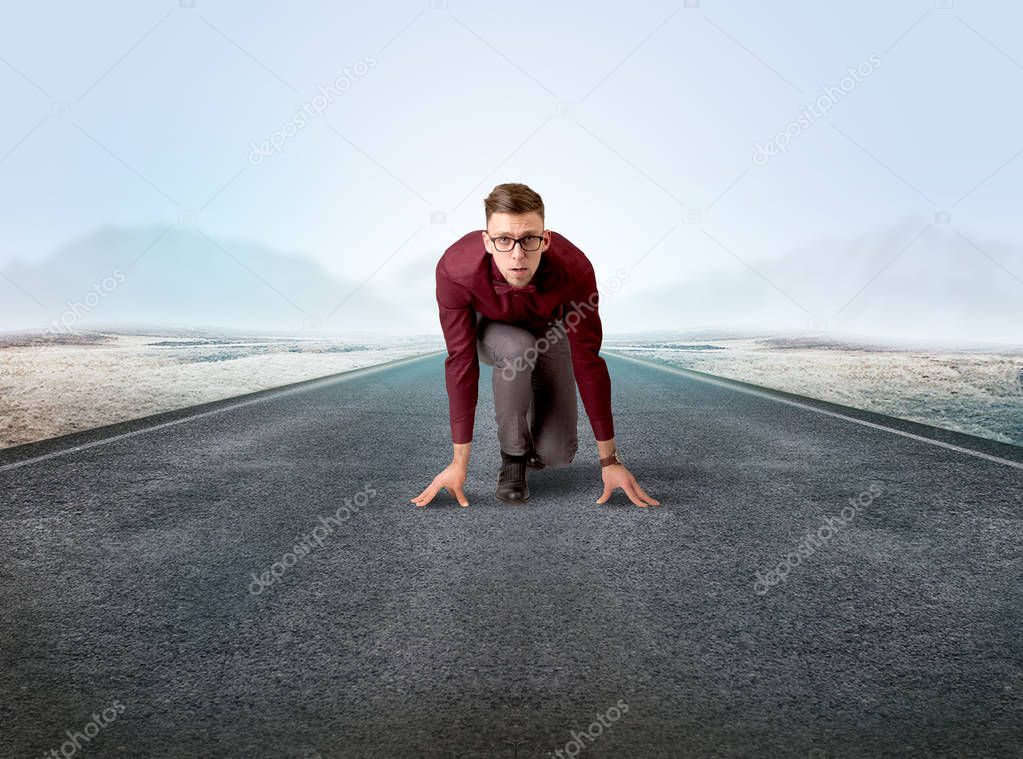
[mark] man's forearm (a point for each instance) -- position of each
(605, 448)
(461, 454)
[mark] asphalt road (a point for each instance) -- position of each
(129, 556)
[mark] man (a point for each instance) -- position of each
(524, 299)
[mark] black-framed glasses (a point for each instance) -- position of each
(505, 244)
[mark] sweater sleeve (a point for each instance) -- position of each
(461, 367)
(585, 334)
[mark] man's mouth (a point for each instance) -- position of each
(520, 270)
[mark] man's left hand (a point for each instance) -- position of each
(617, 476)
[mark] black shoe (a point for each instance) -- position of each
(511, 480)
(533, 461)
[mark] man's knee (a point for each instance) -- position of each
(558, 457)
(513, 352)
(512, 343)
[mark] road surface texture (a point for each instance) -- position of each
(131, 614)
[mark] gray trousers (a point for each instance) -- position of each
(534, 390)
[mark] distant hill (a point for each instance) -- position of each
(184, 279)
(940, 287)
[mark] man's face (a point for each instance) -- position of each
(517, 265)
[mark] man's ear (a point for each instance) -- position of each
(485, 241)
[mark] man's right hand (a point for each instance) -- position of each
(452, 478)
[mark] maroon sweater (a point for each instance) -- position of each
(563, 287)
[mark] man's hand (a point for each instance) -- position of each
(452, 478)
(617, 476)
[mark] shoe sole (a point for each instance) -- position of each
(512, 500)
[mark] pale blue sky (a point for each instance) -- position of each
(666, 105)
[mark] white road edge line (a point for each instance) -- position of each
(797, 404)
(328, 380)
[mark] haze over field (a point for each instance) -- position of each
(934, 285)
(978, 391)
(53, 386)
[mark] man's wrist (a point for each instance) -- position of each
(611, 460)
(460, 454)
(605, 448)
